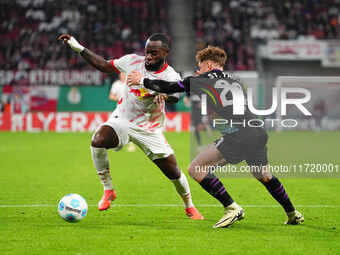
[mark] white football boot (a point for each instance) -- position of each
(294, 218)
(232, 213)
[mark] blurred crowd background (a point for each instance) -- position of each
(239, 26)
(111, 28)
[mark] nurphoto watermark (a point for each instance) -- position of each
(223, 94)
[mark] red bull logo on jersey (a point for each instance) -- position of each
(141, 93)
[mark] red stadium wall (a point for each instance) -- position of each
(75, 121)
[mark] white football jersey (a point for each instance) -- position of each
(118, 88)
(136, 104)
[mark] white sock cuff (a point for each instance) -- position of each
(97, 150)
(182, 185)
(100, 158)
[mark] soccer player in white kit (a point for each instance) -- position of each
(137, 118)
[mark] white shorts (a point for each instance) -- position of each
(154, 144)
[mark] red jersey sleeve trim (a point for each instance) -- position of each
(114, 67)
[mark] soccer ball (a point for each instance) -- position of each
(72, 208)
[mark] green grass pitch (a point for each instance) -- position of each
(148, 217)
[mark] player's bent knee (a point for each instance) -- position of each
(98, 141)
(105, 137)
(196, 173)
(263, 177)
(169, 167)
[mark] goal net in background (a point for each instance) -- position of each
(324, 104)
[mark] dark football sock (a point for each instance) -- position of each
(276, 189)
(215, 188)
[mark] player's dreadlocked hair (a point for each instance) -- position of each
(160, 37)
(214, 54)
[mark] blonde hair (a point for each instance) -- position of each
(212, 53)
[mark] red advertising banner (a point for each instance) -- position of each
(296, 49)
(75, 121)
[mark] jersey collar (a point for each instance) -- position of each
(162, 69)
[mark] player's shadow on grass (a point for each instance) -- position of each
(319, 228)
(164, 223)
(282, 227)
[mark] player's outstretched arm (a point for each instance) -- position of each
(93, 59)
(136, 78)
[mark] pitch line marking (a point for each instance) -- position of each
(169, 205)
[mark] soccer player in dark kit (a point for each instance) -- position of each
(239, 142)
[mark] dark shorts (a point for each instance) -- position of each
(247, 144)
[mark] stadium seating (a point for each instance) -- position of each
(29, 29)
(239, 25)
(112, 28)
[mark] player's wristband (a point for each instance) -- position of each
(75, 45)
(141, 81)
